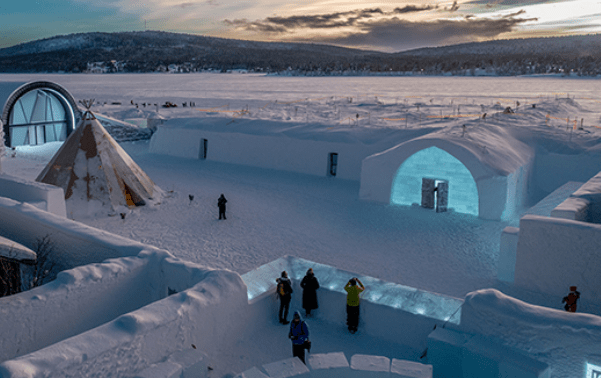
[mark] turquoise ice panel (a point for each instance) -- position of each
(438, 164)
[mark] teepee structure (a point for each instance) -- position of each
(95, 172)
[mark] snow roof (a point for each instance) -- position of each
(491, 145)
(310, 131)
(15, 251)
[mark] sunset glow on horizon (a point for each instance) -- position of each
(382, 26)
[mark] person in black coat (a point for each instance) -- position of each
(310, 286)
(221, 204)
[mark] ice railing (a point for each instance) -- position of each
(405, 298)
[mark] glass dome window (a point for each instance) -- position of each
(38, 117)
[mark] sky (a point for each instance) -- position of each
(377, 25)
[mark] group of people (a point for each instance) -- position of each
(299, 331)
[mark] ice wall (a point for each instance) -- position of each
(390, 311)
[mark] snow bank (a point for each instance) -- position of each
(388, 311)
(134, 327)
(73, 243)
(554, 254)
(52, 198)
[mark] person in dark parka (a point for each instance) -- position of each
(310, 286)
(221, 204)
(299, 334)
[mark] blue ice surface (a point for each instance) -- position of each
(405, 298)
(437, 164)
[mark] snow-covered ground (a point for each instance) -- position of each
(274, 213)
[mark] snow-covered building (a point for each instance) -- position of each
(486, 168)
(37, 112)
(486, 176)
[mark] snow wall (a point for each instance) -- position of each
(554, 254)
(555, 337)
(73, 243)
(113, 315)
(265, 144)
(47, 197)
(389, 311)
(205, 315)
(499, 195)
(584, 204)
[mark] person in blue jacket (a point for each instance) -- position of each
(299, 334)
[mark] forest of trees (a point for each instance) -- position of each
(160, 51)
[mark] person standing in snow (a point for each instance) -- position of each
(299, 334)
(353, 289)
(310, 286)
(284, 293)
(571, 299)
(221, 204)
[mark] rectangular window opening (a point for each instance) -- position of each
(333, 163)
(203, 149)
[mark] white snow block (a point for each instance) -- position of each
(366, 366)
(327, 365)
(508, 253)
(445, 352)
(572, 208)
(47, 197)
(252, 373)
(162, 370)
(409, 369)
(192, 361)
(290, 367)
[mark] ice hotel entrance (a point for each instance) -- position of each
(435, 179)
(487, 181)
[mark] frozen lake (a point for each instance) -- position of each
(248, 87)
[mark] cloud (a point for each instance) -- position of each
(397, 35)
(352, 18)
(385, 30)
(510, 3)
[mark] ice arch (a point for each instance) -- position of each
(435, 163)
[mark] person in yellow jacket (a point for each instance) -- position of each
(353, 288)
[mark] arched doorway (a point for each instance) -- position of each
(437, 164)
